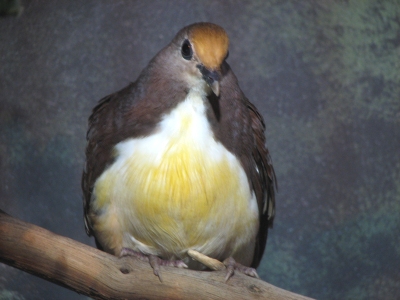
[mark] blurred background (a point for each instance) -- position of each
(324, 74)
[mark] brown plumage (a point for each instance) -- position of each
(192, 64)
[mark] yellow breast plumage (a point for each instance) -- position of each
(176, 188)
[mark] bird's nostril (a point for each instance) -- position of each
(208, 79)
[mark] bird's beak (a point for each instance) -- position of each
(211, 78)
(215, 87)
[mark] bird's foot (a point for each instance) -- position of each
(232, 266)
(155, 261)
(229, 264)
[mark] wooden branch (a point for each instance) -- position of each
(99, 275)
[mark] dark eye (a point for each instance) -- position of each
(186, 50)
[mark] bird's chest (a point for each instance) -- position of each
(178, 188)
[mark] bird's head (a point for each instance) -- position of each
(201, 49)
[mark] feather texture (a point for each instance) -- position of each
(171, 166)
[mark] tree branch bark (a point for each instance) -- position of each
(99, 275)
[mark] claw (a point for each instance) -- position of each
(179, 264)
(232, 265)
(154, 261)
(229, 264)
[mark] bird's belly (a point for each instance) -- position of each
(171, 192)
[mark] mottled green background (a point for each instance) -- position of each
(324, 74)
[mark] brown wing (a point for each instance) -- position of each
(98, 150)
(239, 126)
(265, 183)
